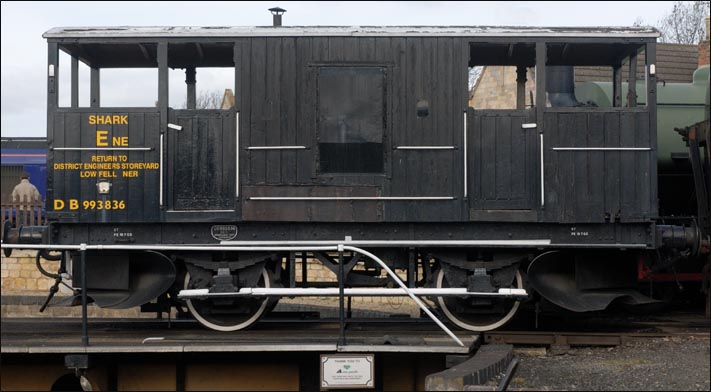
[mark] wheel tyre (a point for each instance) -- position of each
(245, 324)
(439, 280)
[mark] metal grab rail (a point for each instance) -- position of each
(407, 290)
(351, 292)
(340, 248)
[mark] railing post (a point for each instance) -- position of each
(411, 268)
(304, 269)
(84, 321)
(27, 216)
(21, 213)
(2, 220)
(402, 285)
(341, 289)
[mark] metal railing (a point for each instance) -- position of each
(340, 248)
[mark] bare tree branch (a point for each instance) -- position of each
(207, 100)
(685, 23)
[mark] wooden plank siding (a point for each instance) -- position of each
(598, 186)
(140, 194)
(277, 82)
(279, 104)
(204, 171)
(501, 159)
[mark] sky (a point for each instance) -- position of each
(24, 51)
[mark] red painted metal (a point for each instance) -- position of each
(645, 274)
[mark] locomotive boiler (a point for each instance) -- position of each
(356, 147)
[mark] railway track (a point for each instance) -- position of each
(605, 331)
(554, 331)
(567, 339)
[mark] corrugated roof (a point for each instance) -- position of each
(221, 31)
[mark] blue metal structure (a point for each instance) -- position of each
(24, 154)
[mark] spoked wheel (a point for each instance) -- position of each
(228, 314)
(473, 316)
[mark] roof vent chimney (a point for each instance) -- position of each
(277, 13)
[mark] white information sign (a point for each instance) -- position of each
(347, 371)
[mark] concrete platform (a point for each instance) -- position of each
(63, 336)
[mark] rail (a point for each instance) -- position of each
(339, 248)
(25, 213)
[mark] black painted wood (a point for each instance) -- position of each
(500, 159)
(140, 194)
(204, 167)
(598, 186)
(277, 98)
